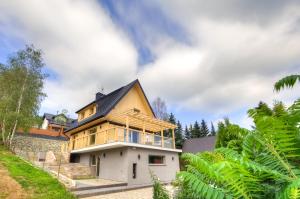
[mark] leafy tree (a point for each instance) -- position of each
(195, 131)
(204, 131)
(160, 109)
(21, 81)
(212, 130)
(265, 165)
(288, 81)
(187, 133)
(230, 135)
(178, 135)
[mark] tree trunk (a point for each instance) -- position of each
(3, 131)
(18, 110)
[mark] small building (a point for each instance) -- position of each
(119, 137)
(196, 145)
(56, 124)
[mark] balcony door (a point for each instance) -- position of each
(134, 136)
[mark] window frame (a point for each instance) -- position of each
(92, 133)
(163, 157)
(92, 159)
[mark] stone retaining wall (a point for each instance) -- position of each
(32, 147)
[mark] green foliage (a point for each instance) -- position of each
(178, 135)
(37, 182)
(230, 135)
(187, 133)
(212, 130)
(159, 191)
(21, 85)
(288, 82)
(261, 163)
(204, 131)
(195, 130)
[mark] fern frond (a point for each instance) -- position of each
(291, 191)
(288, 82)
(201, 188)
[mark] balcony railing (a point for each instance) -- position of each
(120, 135)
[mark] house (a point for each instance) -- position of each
(56, 124)
(120, 138)
(196, 145)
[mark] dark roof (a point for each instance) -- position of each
(107, 102)
(196, 145)
(50, 117)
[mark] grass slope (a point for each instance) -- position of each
(38, 183)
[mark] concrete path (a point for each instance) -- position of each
(144, 193)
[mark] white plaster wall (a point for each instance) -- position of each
(45, 124)
(114, 166)
(165, 173)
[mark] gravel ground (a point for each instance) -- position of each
(145, 193)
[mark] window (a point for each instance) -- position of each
(134, 170)
(91, 111)
(57, 129)
(156, 159)
(92, 133)
(93, 160)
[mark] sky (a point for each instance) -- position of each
(206, 59)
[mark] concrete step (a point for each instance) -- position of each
(106, 190)
(98, 186)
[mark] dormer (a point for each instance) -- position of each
(86, 112)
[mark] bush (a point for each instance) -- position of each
(159, 191)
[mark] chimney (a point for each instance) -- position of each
(99, 95)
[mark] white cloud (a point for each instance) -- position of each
(80, 43)
(233, 61)
(237, 51)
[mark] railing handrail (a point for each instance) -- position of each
(115, 135)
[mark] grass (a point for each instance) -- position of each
(38, 183)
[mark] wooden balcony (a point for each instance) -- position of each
(119, 134)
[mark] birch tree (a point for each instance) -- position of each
(21, 85)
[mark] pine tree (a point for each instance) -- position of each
(187, 133)
(172, 120)
(196, 130)
(212, 130)
(204, 131)
(178, 136)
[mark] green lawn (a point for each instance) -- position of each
(35, 181)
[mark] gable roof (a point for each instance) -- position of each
(107, 102)
(196, 145)
(51, 119)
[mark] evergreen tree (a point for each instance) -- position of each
(178, 136)
(187, 133)
(172, 120)
(212, 130)
(204, 131)
(196, 130)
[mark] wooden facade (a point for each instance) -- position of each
(130, 121)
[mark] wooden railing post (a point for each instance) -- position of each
(116, 134)
(127, 129)
(162, 137)
(143, 133)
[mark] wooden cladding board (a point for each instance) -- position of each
(87, 112)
